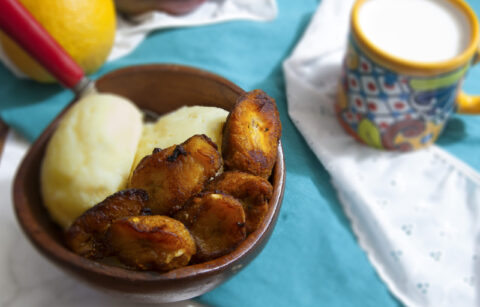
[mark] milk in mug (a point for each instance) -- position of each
(416, 30)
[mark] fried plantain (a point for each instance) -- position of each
(251, 134)
(151, 242)
(171, 176)
(216, 222)
(86, 236)
(252, 191)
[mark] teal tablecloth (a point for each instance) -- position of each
(312, 258)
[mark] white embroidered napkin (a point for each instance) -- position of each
(416, 215)
(130, 33)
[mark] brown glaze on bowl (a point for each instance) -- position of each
(160, 88)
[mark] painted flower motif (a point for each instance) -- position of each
(389, 88)
(398, 105)
(358, 103)
(383, 122)
(377, 106)
(370, 86)
(353, 83)
(393, 111)
(365, 66)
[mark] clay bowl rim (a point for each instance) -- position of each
(60, 254)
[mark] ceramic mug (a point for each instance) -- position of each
(391, 103)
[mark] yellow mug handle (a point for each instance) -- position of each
(469, 104)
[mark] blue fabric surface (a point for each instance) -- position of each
(312, 257)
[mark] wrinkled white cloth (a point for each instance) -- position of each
(416, 214)
(130, 33)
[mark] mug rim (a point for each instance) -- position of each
(423, 68)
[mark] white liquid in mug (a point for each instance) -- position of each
(416, 30)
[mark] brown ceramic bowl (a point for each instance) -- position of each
(160, 88)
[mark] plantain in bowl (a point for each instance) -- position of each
(162, 89)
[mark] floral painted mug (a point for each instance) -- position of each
(403, 70)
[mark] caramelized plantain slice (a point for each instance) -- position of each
(86, 236)
(171, 176)
(251, 134)
(216, 222)
(252, 191)
(151, 242)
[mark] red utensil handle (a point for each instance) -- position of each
(22, 27)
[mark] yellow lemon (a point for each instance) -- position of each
(85, 29)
